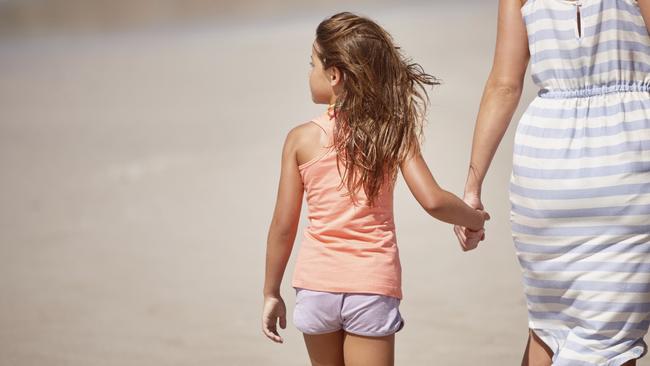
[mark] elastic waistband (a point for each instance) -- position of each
(595, 90)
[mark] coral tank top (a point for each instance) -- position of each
(347, 247)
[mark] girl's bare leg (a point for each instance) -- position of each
(537, 352)
(366, 351)
(325, 349)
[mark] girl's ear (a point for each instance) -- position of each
(335, 75)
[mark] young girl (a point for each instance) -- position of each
(348, 273)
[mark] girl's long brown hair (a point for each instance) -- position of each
(381, 110)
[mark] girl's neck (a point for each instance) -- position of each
(330, 110)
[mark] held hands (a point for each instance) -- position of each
(274, 310)
(467, 238)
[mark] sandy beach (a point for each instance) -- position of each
(139, 172)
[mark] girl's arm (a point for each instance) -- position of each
(282, 233)
(501, 94)
(442, 205)
(645, 11)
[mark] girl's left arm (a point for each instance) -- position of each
(282, 233)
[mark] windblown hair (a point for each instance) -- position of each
(380, 113)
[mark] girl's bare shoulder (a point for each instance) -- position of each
(306, 140)
(305, 133)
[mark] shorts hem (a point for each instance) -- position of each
(371, 334)
(320, 332)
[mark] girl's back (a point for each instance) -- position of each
(348, 246)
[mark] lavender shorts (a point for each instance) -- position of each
(371, 315)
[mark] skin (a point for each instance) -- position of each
(498, 104)
(303, 143)
(645, 11)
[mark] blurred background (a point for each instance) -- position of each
(140, 144)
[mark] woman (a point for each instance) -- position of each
(580, 183)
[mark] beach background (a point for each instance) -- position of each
(140, 145)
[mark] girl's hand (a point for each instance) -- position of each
(274, 309)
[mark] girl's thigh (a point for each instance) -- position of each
(325, 349)
(361, 350)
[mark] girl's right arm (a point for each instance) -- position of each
(442, 205)
(282, 233)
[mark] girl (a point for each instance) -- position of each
(348, 274)
(580, 184)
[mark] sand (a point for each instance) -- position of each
(139, 171)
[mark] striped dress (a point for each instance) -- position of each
(580, 182)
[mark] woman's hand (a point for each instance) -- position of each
(473, 200)
(274, 310)
(469, 239)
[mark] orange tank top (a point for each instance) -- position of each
(346, 247)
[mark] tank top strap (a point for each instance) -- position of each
(325, 122)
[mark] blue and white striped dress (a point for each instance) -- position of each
(580, 182)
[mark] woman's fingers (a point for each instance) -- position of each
(468, 239)
(460, 233)
(457, 231)
(471, 234)
(473, 237)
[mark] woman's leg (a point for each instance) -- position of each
(362, 351)
(325, 349)
(537, 352)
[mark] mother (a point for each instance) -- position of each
(580, 182)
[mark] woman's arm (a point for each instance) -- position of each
(501, 94)
(282, 233)
(442, 205)
(645, 11)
